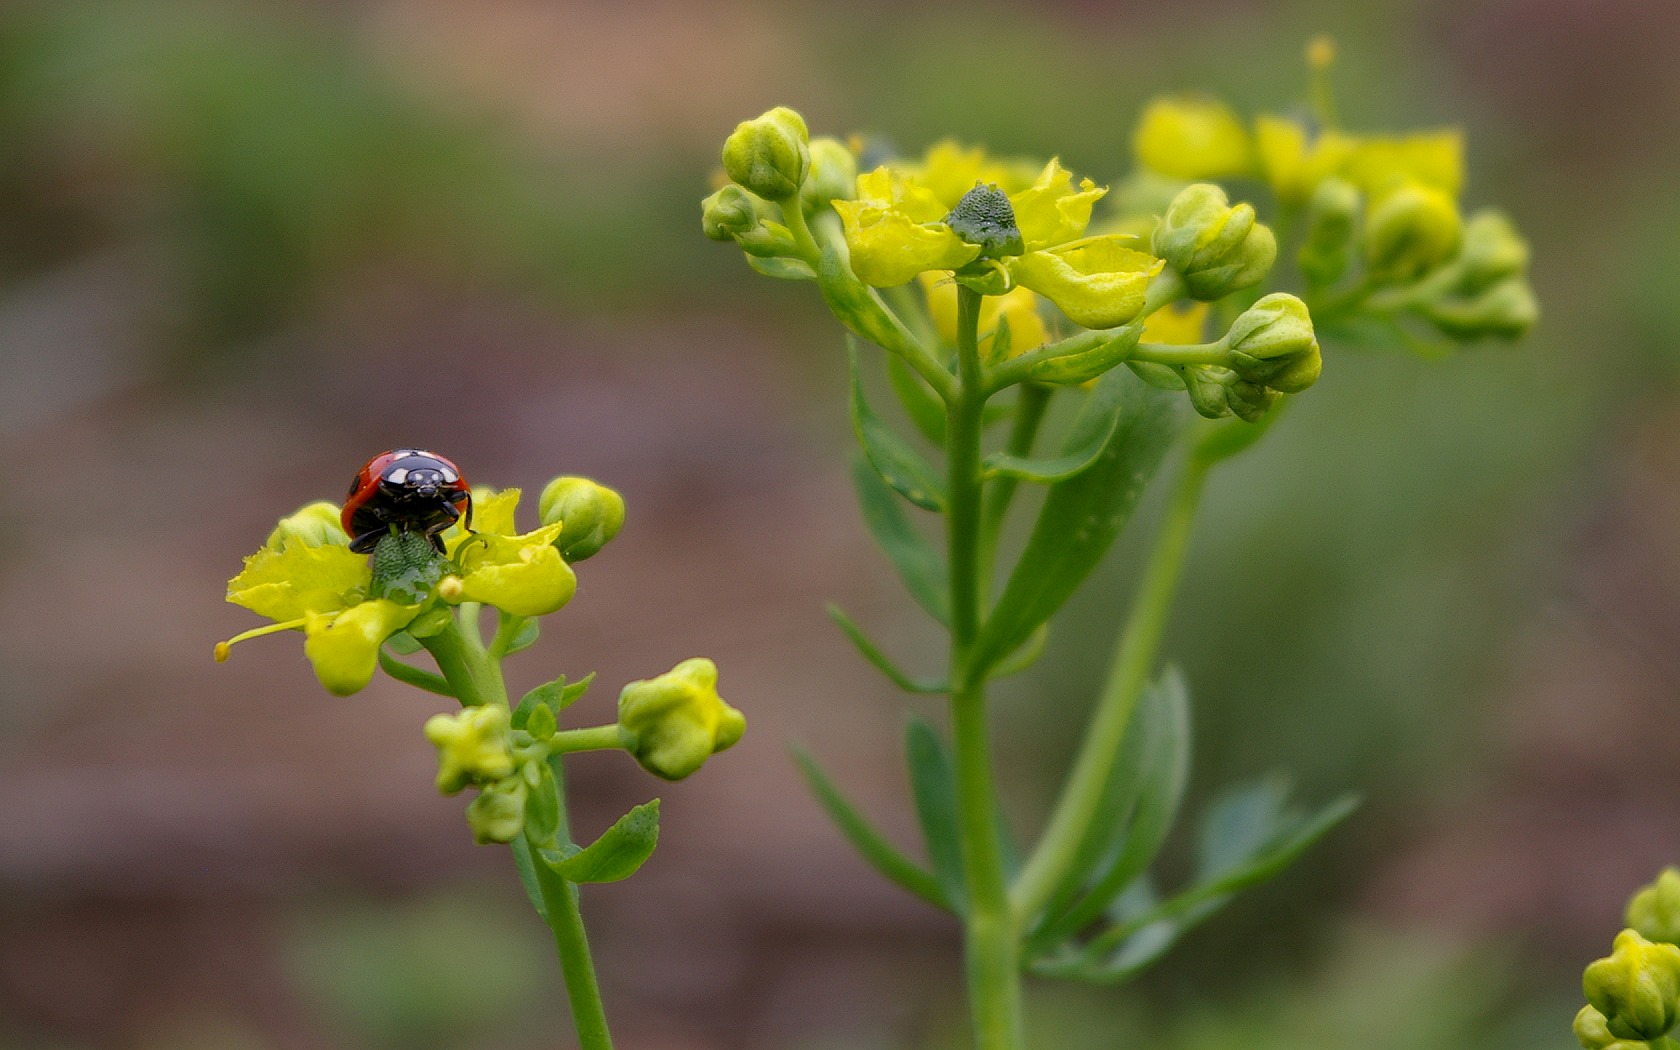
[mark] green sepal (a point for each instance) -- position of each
(899, 465)
(1082, 515)
(879, 659)
(933, 785)
(786, 269)
(1086, 439)
(542, 803)
(525, 636)
(921, 404)
(557, 695)
(403, 644)
(870, 844)
(921, 568)
(616, 855)
(1134, 814)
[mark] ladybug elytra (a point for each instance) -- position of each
(407, 488)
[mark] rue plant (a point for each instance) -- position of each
(997, 289)
(360, 614)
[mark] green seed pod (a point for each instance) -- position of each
(769, 155)
(1217, 248)
(590, 512)
(1636, 987)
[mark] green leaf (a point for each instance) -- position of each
(1002, 341)
(921, 404)
(786, 269)
(882, 662)
(1137, 809)
(921, 568)
(870, 844)
(542, 805)
(527, 868)
(1082, 515)
(933, 784)
(616, 855)
(557, 695)
(1086, 440)
(899, 465)
(525, 637)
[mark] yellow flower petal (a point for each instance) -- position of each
(1051, 211)
(1434, 158)
(1192, 137)
(345, 648)
(298, 579)
(889, 248)
(1291, 164)
(520, 575)
(1097, 283)
(949, 171)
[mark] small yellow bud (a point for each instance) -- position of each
(1410, 230)
(1273, 344)
(673, 723)
(1591, 1030)
(833, 176)
(728, 213)
(474, 744)
(1655, 910)
(1192, 137)
(222, 651)
(1321, 52)
(314, 525)
(1505, 311)
(1493, 250)
(769, 155)
(1636, 988)
(1217, 248)
(498, 813)
(590, 514)
(449, 588)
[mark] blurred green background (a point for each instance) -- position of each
(243, 246)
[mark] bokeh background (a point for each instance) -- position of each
(243, 246)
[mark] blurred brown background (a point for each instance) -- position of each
(243, 246)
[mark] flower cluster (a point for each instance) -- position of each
(1633, 994)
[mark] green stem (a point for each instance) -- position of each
(1215, 353)
(1133, 659)
(1029, 416)
(595, 738)
(560, 897)
(991, 946)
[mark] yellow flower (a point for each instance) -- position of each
(1098, 282)
(344, 649)
(1192, 137)
(1292, 163)
(520, 574)
(1018, 305)
(474, 744)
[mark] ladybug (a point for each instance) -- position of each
(405, 488)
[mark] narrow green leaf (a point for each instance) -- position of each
(557, 694)
(921, 404)
(1152, 772)
(870, 844)
(617, 854)
(882, 662)
(415, 676)
(542, 805)
(921, 568)
(525, 637)
(786, 269)
(1082, 515)
(574, 691)
(933, 783)
(527, 868)
(1086, 439)
(899, 465)
(1239, 823)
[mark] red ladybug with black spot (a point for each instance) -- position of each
(409, 489)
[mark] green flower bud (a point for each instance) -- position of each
(1505, 311)
(474, 745)
(1592, 1030)
(314, 525)
(1209, 388)
(1410, 230)
(770, 155)
(1217, 248)
(833, 174)
(498, 813)
(1636, 988)
(1331, 216)
(673, 723)
(1272, 343)
(1493, 250)
(589, 514)
(728, 213)
(1250, 401)
(1655, 910)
